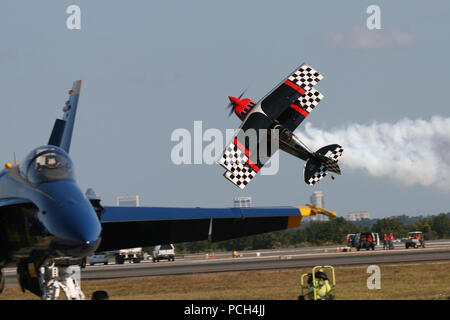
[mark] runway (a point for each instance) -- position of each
(263, 260)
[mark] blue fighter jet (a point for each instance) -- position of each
(48, 225)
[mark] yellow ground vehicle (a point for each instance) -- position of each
(236, 254)
(318, 286)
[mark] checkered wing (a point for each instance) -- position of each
(240, 175)
(310, 100)
(335, 153)
(305, 77)
(317, 176)
(251, 147)
(292, 117)
(232, 157)
(235, 161)
(324, 161)
(291, 101)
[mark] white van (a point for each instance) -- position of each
(163, 251)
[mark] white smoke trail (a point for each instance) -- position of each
(409, 151)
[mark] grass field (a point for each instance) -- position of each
(405, 281)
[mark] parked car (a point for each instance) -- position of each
(98, 257)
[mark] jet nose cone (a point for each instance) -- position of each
(232, 99)
(91, 245)
(84, 248)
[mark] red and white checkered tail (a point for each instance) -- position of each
(321, 162)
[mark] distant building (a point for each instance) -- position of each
(243, 202)
(127, 201)
(357, 215)
(317, 199)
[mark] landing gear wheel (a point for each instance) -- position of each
(100, 295)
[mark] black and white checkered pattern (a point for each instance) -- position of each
(334, 154)
(305, 77)
(240, 176)
(235, 161)
(319, 175)
(310, 100)
(232, 157)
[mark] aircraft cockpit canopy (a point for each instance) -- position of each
(47, 163)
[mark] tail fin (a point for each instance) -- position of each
(61, 135)
(323, 160)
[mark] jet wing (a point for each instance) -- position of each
(250, 148)
(129, 227)
(294, 93)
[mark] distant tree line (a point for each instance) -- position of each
(333, 231)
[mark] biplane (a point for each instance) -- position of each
(269, 125)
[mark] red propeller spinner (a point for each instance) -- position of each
(240, 107)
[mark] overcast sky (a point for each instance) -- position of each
(151, 67)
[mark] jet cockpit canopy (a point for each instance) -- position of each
(47, 163)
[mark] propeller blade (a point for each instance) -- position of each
(231, 112)
(231, 107)
(243, 92)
